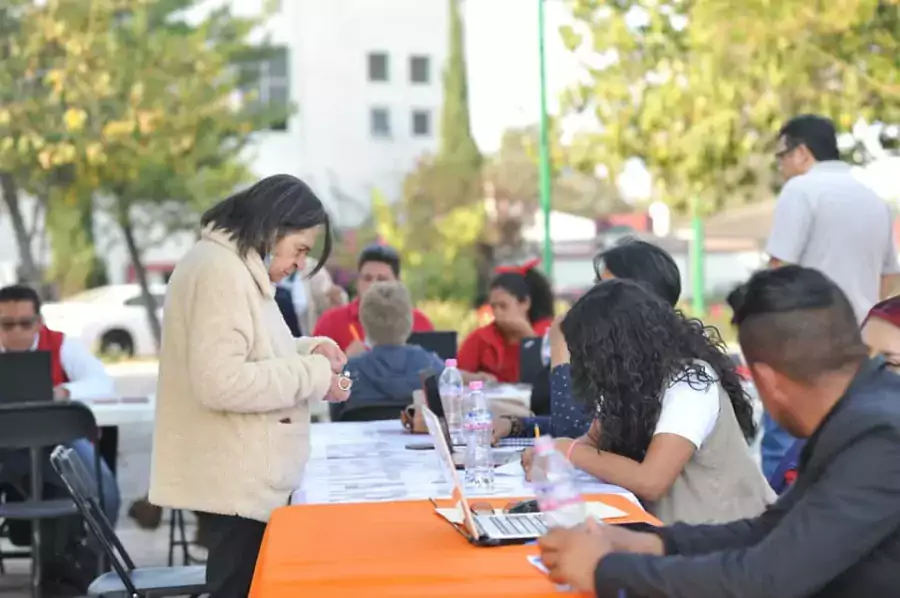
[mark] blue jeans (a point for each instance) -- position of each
(15, 467)
(775, 445)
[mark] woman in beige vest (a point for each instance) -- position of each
(232, 404)
(673, 421)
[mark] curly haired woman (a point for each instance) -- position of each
(673, 420)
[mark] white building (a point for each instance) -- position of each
(365, 77)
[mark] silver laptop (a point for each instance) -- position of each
(482, 530)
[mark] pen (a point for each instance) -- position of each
(537, 431)
(354, 332)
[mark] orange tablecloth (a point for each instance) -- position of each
(394, 549)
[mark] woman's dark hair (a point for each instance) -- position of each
(644, 263)
(530, 284)
(623, 362)
(272, 208)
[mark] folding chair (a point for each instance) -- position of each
(38, 427)
(126, 580)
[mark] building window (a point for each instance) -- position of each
(419, 69)
(268, 82)
(380, 122)
(421, 123)
(378, 67)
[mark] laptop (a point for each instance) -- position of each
(441, 343)
(25, 377)
(436, 405)
(482, 530)
(531, 359)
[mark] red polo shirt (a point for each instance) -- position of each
(486, 350)
(342, 325)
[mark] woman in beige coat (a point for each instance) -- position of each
(232, 405)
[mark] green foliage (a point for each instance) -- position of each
(698, 90)
(438, 248)
(124, 102)
(513, 172)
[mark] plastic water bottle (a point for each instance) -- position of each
(452, 392)
(479, 431)
(553, 479)
(545, 348)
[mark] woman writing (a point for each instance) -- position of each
(232, 404)
(673, 421)
(522, 303)
(647, 264)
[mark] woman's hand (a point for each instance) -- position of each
(485, 377)
(502, 428)
(527, 461)
(339, 391)
(336, 358)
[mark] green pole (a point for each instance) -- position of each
(544, 149)
(698, 262)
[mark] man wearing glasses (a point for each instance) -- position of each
(376, 263)
(76, 375)
(828, 220)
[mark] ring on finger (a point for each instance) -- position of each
(345, 383)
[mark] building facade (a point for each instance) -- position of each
(365, 79)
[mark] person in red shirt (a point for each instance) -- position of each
(522, 302)
(377, 263)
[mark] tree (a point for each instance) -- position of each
(139, 112)
(458, 158)
(513, 174)
(697, 90)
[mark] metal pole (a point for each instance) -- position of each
(544, 149)
(698, 262)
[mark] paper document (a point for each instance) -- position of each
(539, 565)
(513, 468)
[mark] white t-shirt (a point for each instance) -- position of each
(689, 412)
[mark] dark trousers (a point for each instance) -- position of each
(234, 546)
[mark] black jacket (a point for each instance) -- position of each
(834, 534)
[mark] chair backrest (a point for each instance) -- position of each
(84, 492)
(37, 425)
(531, 360)
(370, 412)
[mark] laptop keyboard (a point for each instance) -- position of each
(516, 526)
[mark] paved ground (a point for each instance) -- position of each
(146, 548)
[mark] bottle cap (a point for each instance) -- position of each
(450, 363)
(476, 385)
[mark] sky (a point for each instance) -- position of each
(503, 63)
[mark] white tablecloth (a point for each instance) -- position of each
(121, 411)
(369, 462)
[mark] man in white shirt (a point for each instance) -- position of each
(828, 220)
(76, 374)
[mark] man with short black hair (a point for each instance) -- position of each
(836, 533)
(828, 220)
(76, 375)
(376, 263)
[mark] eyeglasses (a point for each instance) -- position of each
(23, 323)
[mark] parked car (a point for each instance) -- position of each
(110, 319)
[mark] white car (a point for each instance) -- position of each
(110, 319)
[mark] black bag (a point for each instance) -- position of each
(71, 556)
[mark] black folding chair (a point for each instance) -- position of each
(370, 412)
(126, 580)
(37, 427)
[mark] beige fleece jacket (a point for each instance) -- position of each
(232, 416)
